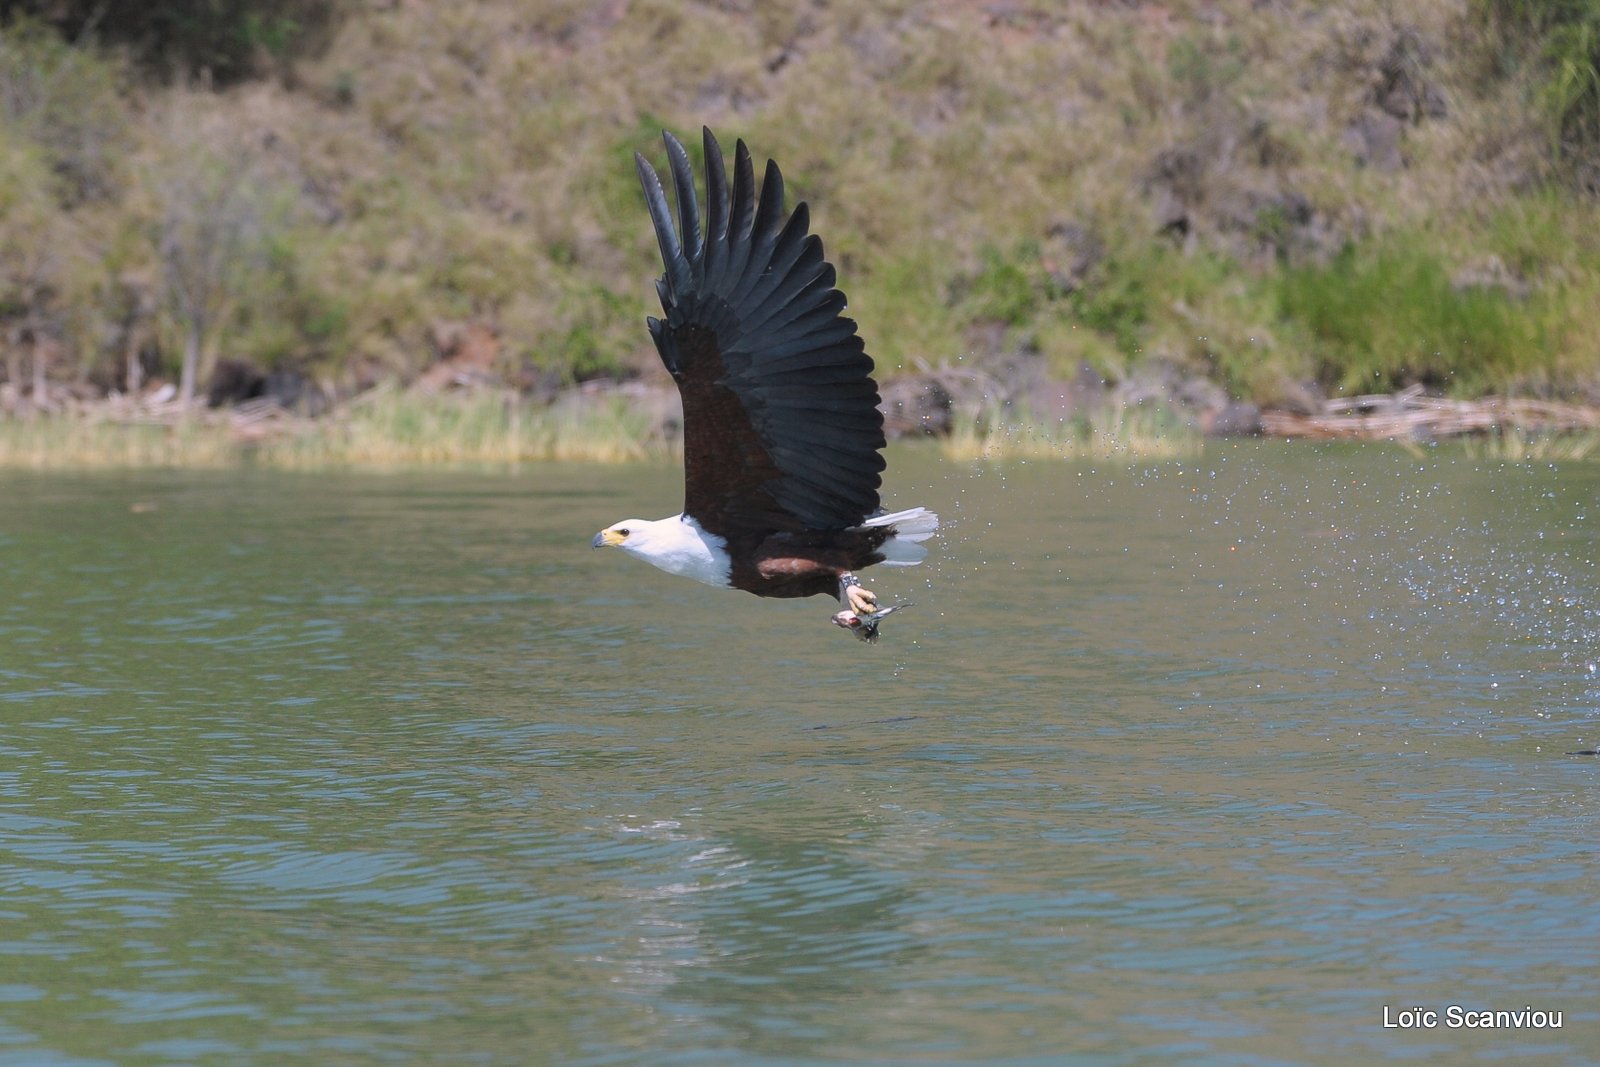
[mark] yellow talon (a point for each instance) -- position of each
(862, 601)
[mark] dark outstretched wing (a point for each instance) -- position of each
(780, 413)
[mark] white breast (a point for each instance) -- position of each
(678, 545)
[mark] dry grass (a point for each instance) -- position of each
(389, 428)
(73, 443)
(1108, 433)
(1518, 447)
(386, 428)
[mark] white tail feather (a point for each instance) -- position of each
(910, 527)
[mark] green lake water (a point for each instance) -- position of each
(1201, 762)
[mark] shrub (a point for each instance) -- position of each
(225, 40)
(66, 101)
(1387, 315)
(1560, 41)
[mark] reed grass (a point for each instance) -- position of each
(387, 428)
(1516, 446)
(391, 428)
(73, 442)
(1112, 432)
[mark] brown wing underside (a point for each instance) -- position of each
(726, 465)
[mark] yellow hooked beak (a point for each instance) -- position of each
(608, 538)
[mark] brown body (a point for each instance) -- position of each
(787, 566)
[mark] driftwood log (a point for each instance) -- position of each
(1409, 414)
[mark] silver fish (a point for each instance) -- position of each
(866, 626)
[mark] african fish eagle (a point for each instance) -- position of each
(781, 427)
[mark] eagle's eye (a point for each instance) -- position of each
(623, 532)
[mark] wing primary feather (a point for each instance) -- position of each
(779, 308)
(716, 203)
(856, 388)
(742, 211)
(744, 193)
(867, 463)
(838, 407)
(779, 256)
(799, 317)
(763, 235)
(683, 185)
(661, 218)
(820, 374)
(832, 345)
(795, 254)
(770, 210)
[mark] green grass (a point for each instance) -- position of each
(1559, 42)
(1387, 316)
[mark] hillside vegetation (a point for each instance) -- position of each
(1284, 197)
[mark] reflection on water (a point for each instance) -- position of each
(1205, 762)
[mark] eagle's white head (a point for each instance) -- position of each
(676, 544)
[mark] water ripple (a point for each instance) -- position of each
(1204, 762)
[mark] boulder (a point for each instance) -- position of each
(915, 405)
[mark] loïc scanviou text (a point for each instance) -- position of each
(1456, 1017)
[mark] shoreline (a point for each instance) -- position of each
(623, 422)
